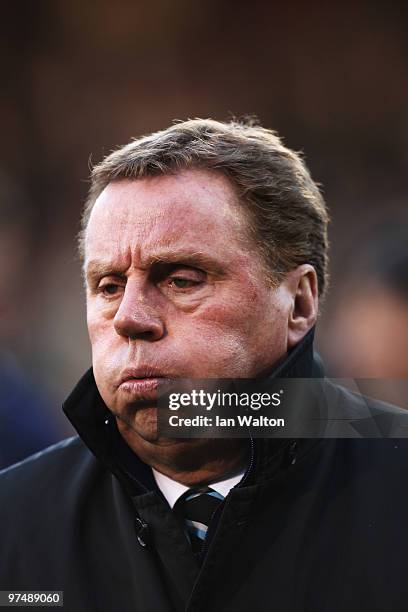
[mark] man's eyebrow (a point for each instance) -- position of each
(195, 259)
(96, 269)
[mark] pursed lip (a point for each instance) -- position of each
(141, 381)
(136, 374)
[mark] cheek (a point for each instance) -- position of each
(98, 344)
(101, 339)
(238, 313)
(100, 327)
(228, 327)
(222, 319)
(239, 335)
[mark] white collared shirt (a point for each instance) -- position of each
(172, 489)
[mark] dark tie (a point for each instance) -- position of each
(197, 507)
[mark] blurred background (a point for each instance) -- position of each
(81, 77)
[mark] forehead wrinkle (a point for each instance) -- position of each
(119, 262)
(170, 227)
(171, 249)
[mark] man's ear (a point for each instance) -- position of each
(303, 311)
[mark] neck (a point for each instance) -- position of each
(192, 461)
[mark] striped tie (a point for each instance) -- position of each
(197, 507)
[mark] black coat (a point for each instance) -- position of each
(316, 525)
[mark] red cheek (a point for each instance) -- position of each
(225, 313)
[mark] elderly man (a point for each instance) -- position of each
(205, 254)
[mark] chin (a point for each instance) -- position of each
(142, 422)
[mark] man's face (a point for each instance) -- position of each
(175, 289)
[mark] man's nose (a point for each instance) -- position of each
(137, 316)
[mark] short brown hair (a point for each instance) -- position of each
(287, 214)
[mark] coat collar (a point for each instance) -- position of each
(97, 428)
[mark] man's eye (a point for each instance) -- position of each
(109, 289)
(183, 283)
